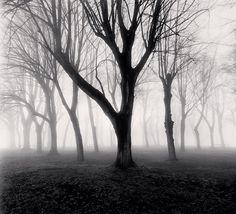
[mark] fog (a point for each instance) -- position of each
(215, 32)
(117, 106)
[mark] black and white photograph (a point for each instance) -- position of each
(117, 106)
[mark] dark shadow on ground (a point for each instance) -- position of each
(197, 183)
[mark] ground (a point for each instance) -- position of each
(197, 183)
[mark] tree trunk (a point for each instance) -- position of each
(65, 135)
(168, 122)
(52, 115)
(78, 137)
(197, 138)
(220, 127)
(39, 137)
(182, 135)
(74, 120)
(123, 132)
(182, 125)
(53, 132)
(93, 127)
(221, 134)
(26, 134)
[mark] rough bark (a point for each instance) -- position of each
(123, 132)
(168, 119)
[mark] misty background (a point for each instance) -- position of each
(215, 33)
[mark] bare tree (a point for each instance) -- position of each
(202, 81)
(144, 25)
(210, 125)
(186, 88)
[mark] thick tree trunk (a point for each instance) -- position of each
(93, 127)
(123, 132)
(53, 131)
(168, 122)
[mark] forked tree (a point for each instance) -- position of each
(122, 25)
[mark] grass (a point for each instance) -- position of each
(198, 183)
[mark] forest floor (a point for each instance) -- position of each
(197, 183)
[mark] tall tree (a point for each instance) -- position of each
(134, 22)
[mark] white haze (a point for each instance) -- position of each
(216, 28)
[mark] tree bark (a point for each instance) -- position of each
(123, 131)
(168, 120)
